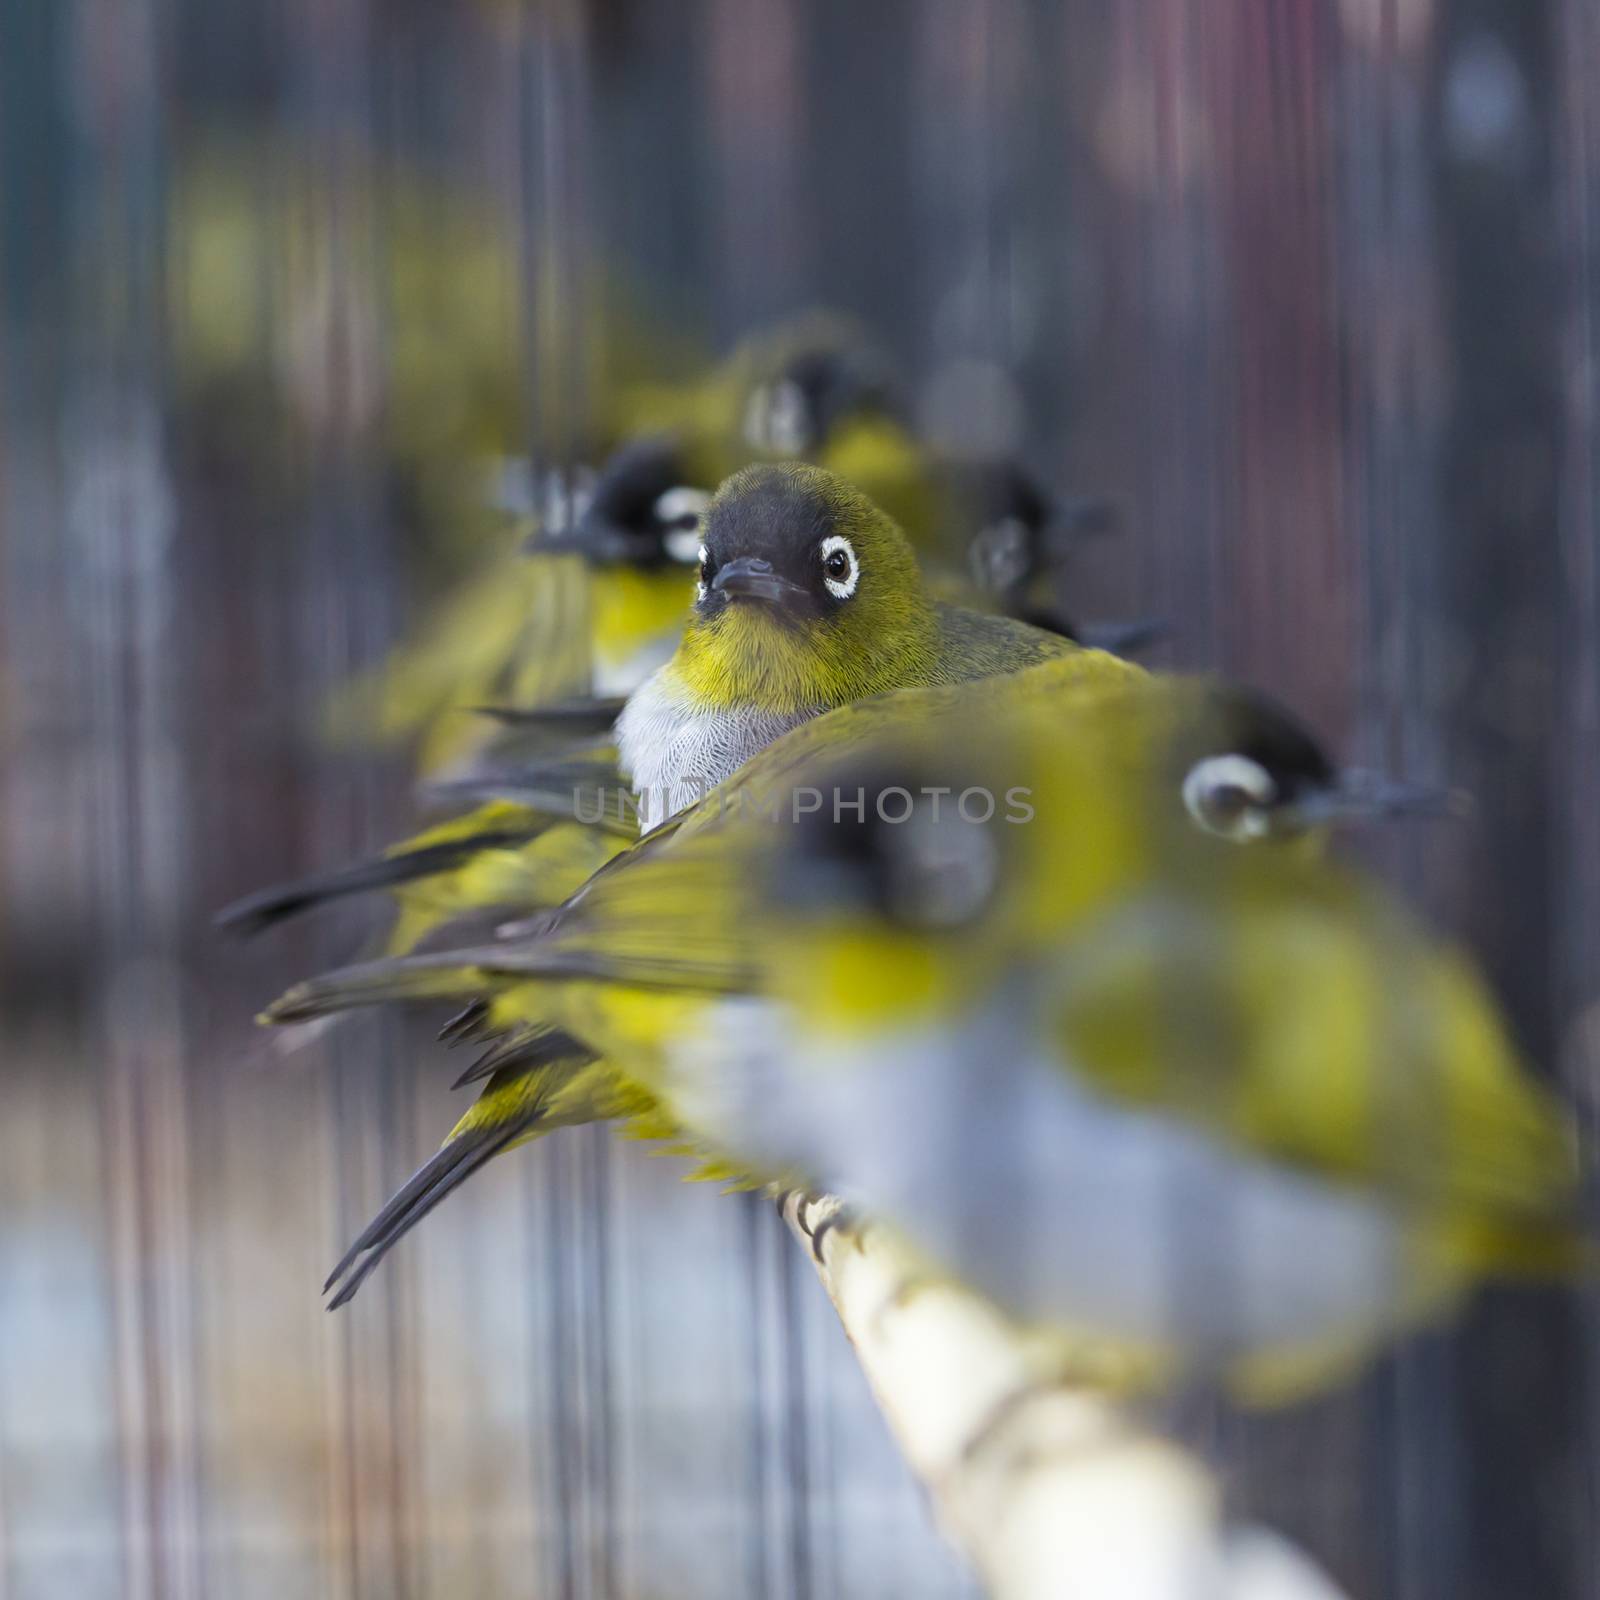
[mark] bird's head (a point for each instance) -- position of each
(991, 822)
(805, 380)
(1249, 770)
(642, 510)
(808, 597)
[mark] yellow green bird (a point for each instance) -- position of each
(582, 1016)
(1198, 1110)
(807, 596)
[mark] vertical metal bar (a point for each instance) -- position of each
(1499, 601)
(757, 116)
(120, 523)
(1576, 775)
(330, 313)
(1287, 567)
(1387, 311)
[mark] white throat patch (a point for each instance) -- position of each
(674, 751)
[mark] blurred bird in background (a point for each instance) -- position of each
(1226, 1112)
(814, 389)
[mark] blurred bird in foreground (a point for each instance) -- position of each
(808, 597)
(1123, 1010)
(1198, 1110)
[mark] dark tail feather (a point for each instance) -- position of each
(372, 983)
(1118, 638)
(593, 793)
(261, 910)
(526, 1050)
(467, 1024)
(563, 716)
(1073, 518)
(447, 1170)
(462, 974)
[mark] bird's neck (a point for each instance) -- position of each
(744, 659)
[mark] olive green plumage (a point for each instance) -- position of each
(632, 960)
(811, 995)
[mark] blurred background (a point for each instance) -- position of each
(1309, 286)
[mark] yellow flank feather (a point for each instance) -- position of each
(520, 877)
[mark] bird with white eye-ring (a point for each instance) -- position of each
(1230, 796)
(809, 597)
(841, 572)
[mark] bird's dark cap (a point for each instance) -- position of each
(772, 513)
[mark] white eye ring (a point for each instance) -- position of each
(775, 419)
(682, 545)
(840, 588)
(1229, 795)
(681, 506)
(678, 512)
(700, 587)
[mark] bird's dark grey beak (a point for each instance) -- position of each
(751, 578)
(1359, 795)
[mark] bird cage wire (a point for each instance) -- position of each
(1310, 288)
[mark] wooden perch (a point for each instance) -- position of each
(1051, 1490)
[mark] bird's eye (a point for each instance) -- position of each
(841, 572)
(677, 514)
(943, 871)
(705, 572)
(1230, 796)
(897, 850)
